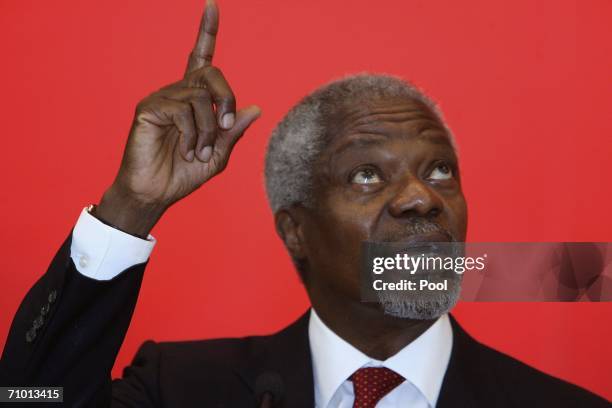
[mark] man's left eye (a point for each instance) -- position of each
(441, 172)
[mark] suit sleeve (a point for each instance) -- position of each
(68, 330)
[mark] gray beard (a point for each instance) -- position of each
(421, 307)
(430, 305)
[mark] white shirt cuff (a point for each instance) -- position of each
(102, 252)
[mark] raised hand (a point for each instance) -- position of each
(181, 136)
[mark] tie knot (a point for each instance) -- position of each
(371, 384)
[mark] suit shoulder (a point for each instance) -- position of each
(526, 384)
(219, 351)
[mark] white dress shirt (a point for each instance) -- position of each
(102, 252)
(422, 363)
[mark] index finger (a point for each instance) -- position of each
(204, 49)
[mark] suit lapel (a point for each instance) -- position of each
(286, 353)
(458, 381)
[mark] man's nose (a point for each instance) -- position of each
(415, 198)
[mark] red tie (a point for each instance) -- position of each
(372, 384)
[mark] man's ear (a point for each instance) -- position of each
(289, 227)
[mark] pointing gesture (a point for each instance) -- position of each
(181, 136)
(204, 49)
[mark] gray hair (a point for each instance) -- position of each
(302, 134)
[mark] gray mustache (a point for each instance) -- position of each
(417, 226)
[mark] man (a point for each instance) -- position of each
(366, 158)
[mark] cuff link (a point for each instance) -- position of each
(83, 261)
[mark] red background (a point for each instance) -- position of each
(524, 84)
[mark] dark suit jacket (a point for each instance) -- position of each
(69, 328)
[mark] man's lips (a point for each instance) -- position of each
(421, 243)
(416, 239)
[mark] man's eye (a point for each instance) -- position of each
(366, 176)
(441, 172)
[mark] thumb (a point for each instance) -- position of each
(244, 118)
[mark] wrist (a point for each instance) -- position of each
(127, 214)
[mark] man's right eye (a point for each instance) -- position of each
(366, 176)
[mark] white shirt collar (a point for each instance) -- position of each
(423, 362)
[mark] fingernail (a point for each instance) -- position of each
(190, 155)
(205, 154)
(227, 121)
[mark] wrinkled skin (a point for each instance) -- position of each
(389, 166)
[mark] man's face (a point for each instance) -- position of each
(389, 173)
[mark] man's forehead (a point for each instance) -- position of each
(376, 120)
(355, 110)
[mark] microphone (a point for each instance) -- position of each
(269, 389)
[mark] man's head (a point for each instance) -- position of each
(365, 158)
